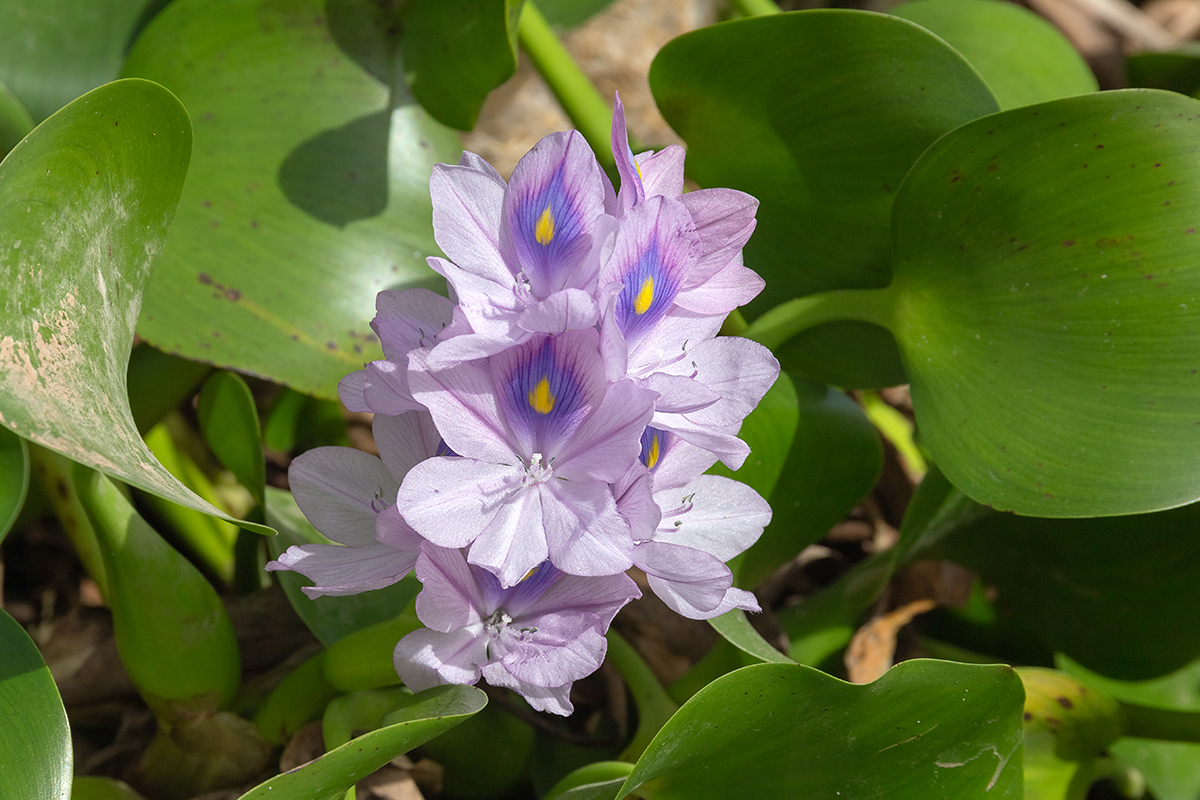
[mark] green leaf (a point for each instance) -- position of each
(229, 421)
(52, 51)
(1177, 71)
(419, 719)
(1045, 303)
(35, 742)
(768, 430)
(85, 201)
(925, 729)
(201, 670)
(833, 461)
(1172, 769)
(809, 113)
(1115, 594)
(1023, 58)
(329, 618)
(456, 52)
(308, 192)
(14, 478)
(15, 122)
(734, 626)
(587, 780)
(90, 787)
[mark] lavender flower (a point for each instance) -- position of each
(541, 435)
(349, 496)
(523, 256)
(536, 637)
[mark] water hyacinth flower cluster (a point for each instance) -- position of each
(549, 428)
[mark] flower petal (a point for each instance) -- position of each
(405, 440)
(554, 198)
(551, 699)
(567, 310)
(462, 399)
(410, 319)
(468, 204)
(340, 570)
(451, 501)
(690, 581)
(450, 596)
(714, 514)
(585, 533)
(427, 658)
(340, 489)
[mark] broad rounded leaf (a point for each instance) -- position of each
(14, 478)
(423, 717)
(1047, 304)
(308, 192)
(85, 201)
(1023, 58)
(1116, 594)
(35, 742)
(818, 114)
(925, 729)
(834, 460)
(456, 52)
(52, 51)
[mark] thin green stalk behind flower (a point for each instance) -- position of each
(589, 112)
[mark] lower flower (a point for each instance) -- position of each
(536, 637)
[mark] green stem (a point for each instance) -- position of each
(1146, 722)
(795, 316)
(654, 705)
(58, 485)
(757, 8)
(897, 429)
(589, 112)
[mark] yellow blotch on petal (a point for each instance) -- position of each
(543, 232)
(653, 453)
(645, 296)
(540, 398)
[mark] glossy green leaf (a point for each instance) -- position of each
(308, 192)
(1116, 594)
(600, 779)
(229, 420)
(768, 430)
(417, 720)
(833, 462)
(201, 669)
(14, 478)
(810, 113)
(1172, 769)
(52, 51)
(90, 787)
(15, 122)
(35, 742)
(1021, 56)
(85, 201)
(1046, 303)
(456, 52)
(734, 626)
(1177, 71)
(925, 729)
(329, 618)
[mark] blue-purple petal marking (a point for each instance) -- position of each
(551, 215)
(542, 395)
